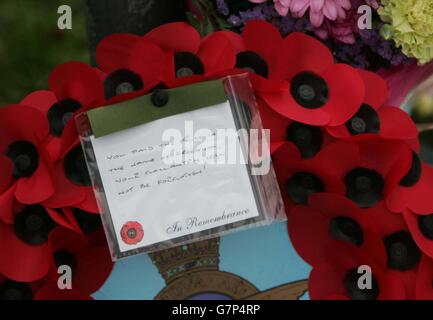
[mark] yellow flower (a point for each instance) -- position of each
(410, 24)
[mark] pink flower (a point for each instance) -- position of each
(319, 9)
(281, 6)
(342, 32)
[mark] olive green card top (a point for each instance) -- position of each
(131, 113)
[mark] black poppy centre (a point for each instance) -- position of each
(414, 173)
(121, 82)
(354, 291)
(59, 115)
(301, 185)
(64, 257)
(402, 252)
(308, 139)
(33, 225)
(346, 229)
(75, 167)
(364, 187)
(13, 290)
(365, 120)
(309, 90)
(88, 222)
(25, 158)
(425, 225)
(132, 233)
(187, 64)
(252, 62)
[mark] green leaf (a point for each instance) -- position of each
(208, 26)
(193, 21)
(207, 4)
(223, 24)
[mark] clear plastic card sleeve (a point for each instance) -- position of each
(180, 165)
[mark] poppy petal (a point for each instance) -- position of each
(264, 39)
(336, 158)
(89, 204)
(176, 36)
(53, 147)
(37, 188)
(235, 39)
(6, 171)
(63, 238)
(413, 198)
(114, 51)
(94, 266)
(425, 244)
(309, 54)
(66, 193)
(376, 89)
(216, 53)
(283, 103)
(274, 121)
(76, 80)
(386, 222)
(126, 51)
(347, 93)
(424, 290)
(61, 220)
(308, 231)
(396, 124)
(41, 100)
(7, 200)
(69, 139)
(20, 261)
(391, 158)
(24, 122)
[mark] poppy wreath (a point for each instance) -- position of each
(355, 190)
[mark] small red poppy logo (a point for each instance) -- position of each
(132, 232)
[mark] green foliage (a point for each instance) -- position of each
(31, 45)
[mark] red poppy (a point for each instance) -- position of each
(339, 277)
(372, 174)
(402, 254)
(424, 280)
(412, 191)
(319, 91)
(331, 218)
(308, 139)
(190, 58)
(373, 118)
(299, 178)
(25, 164)
(25, 242)
(130, 65)
(73, 87)
(260, 52)
(132, 232)
(91, 265)
(72, 183)
(421, 228)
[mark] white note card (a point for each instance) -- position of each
(151, 201)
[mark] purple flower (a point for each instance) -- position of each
(234, 20)
(222, 7)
